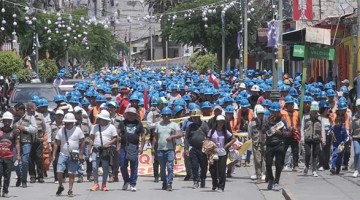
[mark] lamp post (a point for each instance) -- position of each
(223, 40)
(129, 21)
(246, 35)
(149, 18)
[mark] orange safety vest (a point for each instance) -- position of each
(294, 122)
(347, 118)
(250, 117)
(233, 125)
(96, 111)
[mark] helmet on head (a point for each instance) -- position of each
(228, 99)
(322, 95)
(344, 90)
(8, 115)
(342, 106)
(330, 93)
(85, 102)
(100, 98)
(293, 92)
(178, 109)
(289, 99)
(275, 106)
(324, 104)
(58, 98)
(266, 102)
(206, 104)
(166, 111)
(229, 109)
(244, 103)
(134, 97)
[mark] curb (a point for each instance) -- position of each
(287, 194)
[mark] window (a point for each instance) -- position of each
(134, 49)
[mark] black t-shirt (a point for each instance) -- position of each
(130, 132)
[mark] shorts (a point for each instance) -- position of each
(64, 162)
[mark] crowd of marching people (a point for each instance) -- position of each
(104, 121)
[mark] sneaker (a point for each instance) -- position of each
(60, 190)
(295, 169)
(306, 171)
(332, 171)
(24, 185)
(18, 182)
(315, 174)
(95, 187)
(345, 168)
(187, 178)
(202, 183)
(104, 188)
(196, 185)
(5, 195)
(355, 174)
(41, 180)
(214, 188)
(32, 180)
(132, 188)
(287, 169)
(270, 185)
(164, 186)
(263, 177)
(80, 179)
(125, 186)
(321, 169)
(116, 179)
(169, 188)
(56, 182)
(70, 193)
(156, 179)
(253, 177)
(276, 187)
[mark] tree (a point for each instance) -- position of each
(10, 63)
(202, 62)
(191, 30)
(47, 69)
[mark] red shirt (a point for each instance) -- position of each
(123, 104)
(7, 144)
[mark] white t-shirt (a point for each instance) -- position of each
(74, 136)
(108, 133)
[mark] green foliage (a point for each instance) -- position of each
(47, 68)
(10, 63)
(202, 63)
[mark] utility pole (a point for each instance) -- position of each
(223, 39)
(280, 46)
(358, 52)
(129, 21)
(246, 37)
(151, 38)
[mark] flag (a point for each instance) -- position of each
(302, 9)
(146, 99)
(213, 80)
(239, 40)
(123, 60)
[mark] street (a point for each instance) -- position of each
(296, 186)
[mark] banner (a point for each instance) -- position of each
(302, 10)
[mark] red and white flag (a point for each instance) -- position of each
(146, 99)
(212, 79)
(302, 9)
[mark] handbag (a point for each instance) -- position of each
(74, 154)
(105, 153)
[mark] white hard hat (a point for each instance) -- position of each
(59, 112)
(255, 88)
(104, 114)
(242, 85)
(260, 110)
(69, 117)
(8, 115)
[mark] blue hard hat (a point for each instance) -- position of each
(206, 104)
(177, 109)
(208, 91)
(328, 86)
(134, 97)
(322, 95)
(244, 94)
(324, 104)
(228, 99)
(154, 102)
(275, 106)
(58, 98)
(330, 93)
(344, 90)
(186, 97)
(244, 103)
(192, 106)
(35, 99)
(100, 98)
(293, 92)
(141, 102)
(343, 99)
(85, 102)
(219, 102)
(42, 102)
(90, 93)
(289, 99)
(229, 109)
(284, 88)
(166, 111)
(266, 102)
(74, 100)
(342, 106)
(266, 113)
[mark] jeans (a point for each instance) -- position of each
(336, 159)
(115, 165)
(36, 159)
(324, 156)
(277, 151)
(198, 159)
(218, 172)
(124, 163)
(6, 165)
(315, 145)
(294, 144)
(347, 154)
(95, 165)
(356, 143)
(166, 161)
(22, 168)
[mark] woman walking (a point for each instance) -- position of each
(223, 140)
